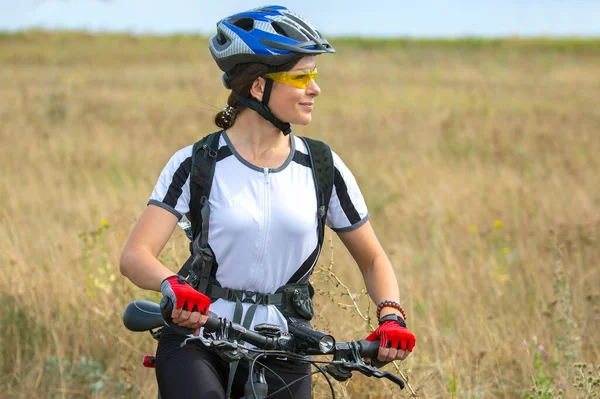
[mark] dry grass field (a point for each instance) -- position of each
(479, 162)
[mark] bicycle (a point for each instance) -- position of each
(300, 343)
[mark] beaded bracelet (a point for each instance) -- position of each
(390, 304)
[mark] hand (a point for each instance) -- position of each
(190, 307)
(395, 341)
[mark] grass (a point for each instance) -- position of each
(477, 158)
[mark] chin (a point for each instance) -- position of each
(302, 121)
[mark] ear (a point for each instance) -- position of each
(258, 88)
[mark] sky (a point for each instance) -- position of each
(383, 18)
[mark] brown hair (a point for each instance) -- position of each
(241, 78)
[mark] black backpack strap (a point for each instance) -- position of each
(204, 160)
(185, 269)
(321, 163)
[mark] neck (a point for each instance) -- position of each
(253, 134)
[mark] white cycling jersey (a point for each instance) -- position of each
(263, 221)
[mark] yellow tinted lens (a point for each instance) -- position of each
(300, 79)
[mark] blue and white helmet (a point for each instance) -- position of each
(267, 35)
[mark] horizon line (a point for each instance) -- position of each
(465, 36)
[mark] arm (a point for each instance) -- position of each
(139, 261)
(374, 265)
(395, 342)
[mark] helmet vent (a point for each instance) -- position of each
(278, 28)
(246, 24)
(284, 30)
(221, 39)
(301, 22)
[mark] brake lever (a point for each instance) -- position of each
(371, 371)
(202, 340)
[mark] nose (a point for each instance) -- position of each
(313, 89)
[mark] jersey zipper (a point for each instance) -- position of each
(266, 221)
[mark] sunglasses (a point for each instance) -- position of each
(300, 78)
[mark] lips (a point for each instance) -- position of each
(308, 105)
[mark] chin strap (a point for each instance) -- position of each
(263, 109)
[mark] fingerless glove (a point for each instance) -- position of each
(392, 335)
(183, 295)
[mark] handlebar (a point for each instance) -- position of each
(301, 340)
(299, 331)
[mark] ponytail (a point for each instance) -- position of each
(226, 118)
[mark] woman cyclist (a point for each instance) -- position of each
(263, 210)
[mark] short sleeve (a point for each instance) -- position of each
(347, 208)
(172, 190)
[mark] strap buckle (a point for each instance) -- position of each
(321, 211)
(211, 152)
(248, 297)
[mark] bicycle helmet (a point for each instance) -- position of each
(270, 35)
(265, 35)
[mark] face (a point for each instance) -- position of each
(291, 104)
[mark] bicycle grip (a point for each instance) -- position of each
(371, 349)
(213, 323)
(166, 308)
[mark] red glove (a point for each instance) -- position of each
(183, 295)
(392, 335)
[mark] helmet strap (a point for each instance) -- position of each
(267, 92)
(263, 109)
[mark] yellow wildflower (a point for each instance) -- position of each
(498, 224)
(506, 250)
(104, 223)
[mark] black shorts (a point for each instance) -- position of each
(194, 372)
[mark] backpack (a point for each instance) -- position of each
(293, 299)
